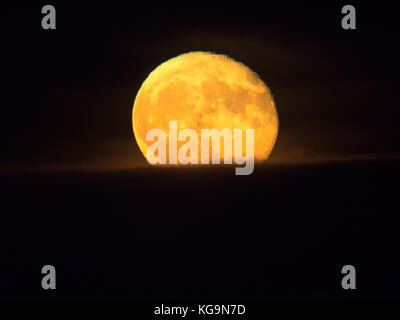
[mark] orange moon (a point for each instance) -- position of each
(203, 90)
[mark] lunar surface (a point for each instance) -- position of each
(203, 90)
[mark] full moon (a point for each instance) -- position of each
(203, 90)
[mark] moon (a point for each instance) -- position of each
(203, 90)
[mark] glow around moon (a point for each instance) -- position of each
(202, 90)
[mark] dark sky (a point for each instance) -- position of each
(283, 232)
(70, 92)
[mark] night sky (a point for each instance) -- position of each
(77, 192)
(70, 92)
